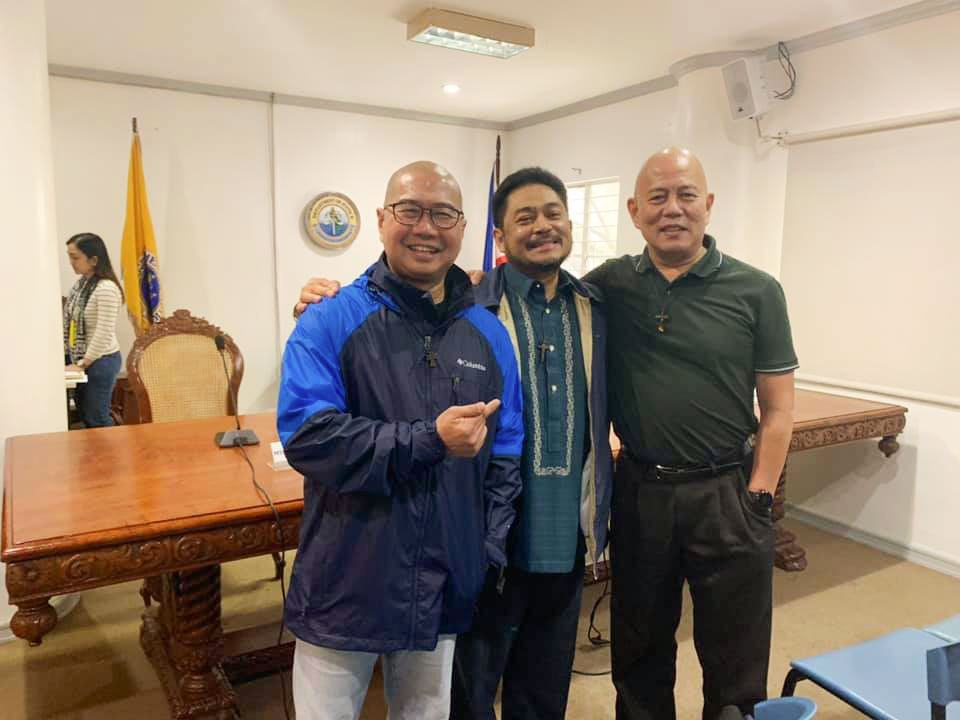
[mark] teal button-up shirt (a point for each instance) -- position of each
(555, 420)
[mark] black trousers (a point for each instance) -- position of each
(527, 635)
(709, 533)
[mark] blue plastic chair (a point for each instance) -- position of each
(786, 708)
(943, 679)
(948, 629)
(885, 678)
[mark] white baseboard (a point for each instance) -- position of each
(930, 560)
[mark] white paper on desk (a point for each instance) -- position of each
(279, 459)
(76, 375)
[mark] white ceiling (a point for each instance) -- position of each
(356, 50)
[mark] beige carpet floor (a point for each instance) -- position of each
(91, 666)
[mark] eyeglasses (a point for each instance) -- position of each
(409, 213)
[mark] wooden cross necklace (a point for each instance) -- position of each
(662, 319)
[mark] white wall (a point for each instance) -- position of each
(747, 178)
(206, 166)
(867, 212)
(911, 499)
(611, 141)
(320, 150)
(905, 70)
(207, 163)
(31, 393)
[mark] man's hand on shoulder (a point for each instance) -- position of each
(463, 428)
(315, 291)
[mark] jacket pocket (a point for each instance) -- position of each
(464, 391)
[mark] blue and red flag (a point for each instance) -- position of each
(490, 255)
(488, 245)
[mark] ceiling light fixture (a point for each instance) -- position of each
(469, 33)
(451, 88)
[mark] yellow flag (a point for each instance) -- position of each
(141, 279)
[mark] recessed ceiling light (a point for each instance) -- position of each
(451, 88)
(469, 33)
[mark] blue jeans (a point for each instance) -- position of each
(93, 396)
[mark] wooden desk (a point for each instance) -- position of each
(103, 506)
(820, 420)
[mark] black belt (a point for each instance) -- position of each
(681, 473)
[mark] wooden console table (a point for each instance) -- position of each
(821, 420)
(104, 506)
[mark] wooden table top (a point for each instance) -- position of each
(74, 490)
(814, 410)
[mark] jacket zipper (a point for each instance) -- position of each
(429, 355)
(431, 362)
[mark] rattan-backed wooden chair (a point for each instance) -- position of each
(177, 372)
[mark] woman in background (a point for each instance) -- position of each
(90, 326)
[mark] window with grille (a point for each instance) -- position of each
(594, 208)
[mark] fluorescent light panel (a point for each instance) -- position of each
(457, 31)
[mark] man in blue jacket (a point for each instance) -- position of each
(400, 404)
(526, 623)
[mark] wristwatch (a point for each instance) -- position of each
(761, 498)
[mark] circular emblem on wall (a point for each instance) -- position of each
(332, 220)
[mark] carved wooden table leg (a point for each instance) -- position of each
(787, 554)
(33, 619)
(888, 445)
(151, 589)
(184, 640)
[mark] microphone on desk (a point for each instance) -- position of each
(240, 436)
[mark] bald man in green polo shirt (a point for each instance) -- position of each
(692, 333)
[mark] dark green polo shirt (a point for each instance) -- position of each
(555, 423)
(685, 395)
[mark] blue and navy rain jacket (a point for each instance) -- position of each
(396, 536)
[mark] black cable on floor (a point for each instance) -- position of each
(593, 632)
(265, 496)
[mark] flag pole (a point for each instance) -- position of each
(497, 162)
(138, 249)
